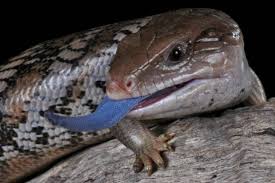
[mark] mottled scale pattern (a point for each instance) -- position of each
(66, 76)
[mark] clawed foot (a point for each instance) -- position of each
(150, 153)
(147, 147)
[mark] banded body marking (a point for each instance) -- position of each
(67, 76)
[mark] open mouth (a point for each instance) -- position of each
(159, 95)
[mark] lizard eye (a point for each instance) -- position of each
(176, 54)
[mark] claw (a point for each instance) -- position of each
(161, 143)
(138, 165)
(144, 144)
(147, 164)
(150, 153)
(166, 136)
(155, 156)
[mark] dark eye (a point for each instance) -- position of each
(176, 54)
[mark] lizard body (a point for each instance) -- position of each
(190, 61)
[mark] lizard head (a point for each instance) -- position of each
(181, 59)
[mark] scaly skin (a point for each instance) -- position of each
(136, 58)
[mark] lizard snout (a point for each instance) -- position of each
(119, 89)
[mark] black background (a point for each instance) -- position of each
(24, 24)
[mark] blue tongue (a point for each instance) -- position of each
(107, 114)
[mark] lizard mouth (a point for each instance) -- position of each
(159, 95)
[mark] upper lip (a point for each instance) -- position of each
(157, 96)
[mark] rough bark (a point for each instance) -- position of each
(237, 146)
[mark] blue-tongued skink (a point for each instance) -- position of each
(189, 61)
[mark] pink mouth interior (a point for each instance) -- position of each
(157, 96)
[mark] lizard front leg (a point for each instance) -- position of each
(146, 145)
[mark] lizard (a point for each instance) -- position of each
(189, 61)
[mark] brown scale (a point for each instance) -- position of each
(16, 112)
(21, 167)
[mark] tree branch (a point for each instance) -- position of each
(238, 146)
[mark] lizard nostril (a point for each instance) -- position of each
(129, 84)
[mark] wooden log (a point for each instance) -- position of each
(237, 146)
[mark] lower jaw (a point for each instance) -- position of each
(165, 105)
(158, 96)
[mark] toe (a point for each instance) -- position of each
(138, 164)
(155, 156)
(162, 144)
(148, 165)
(166, 137)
